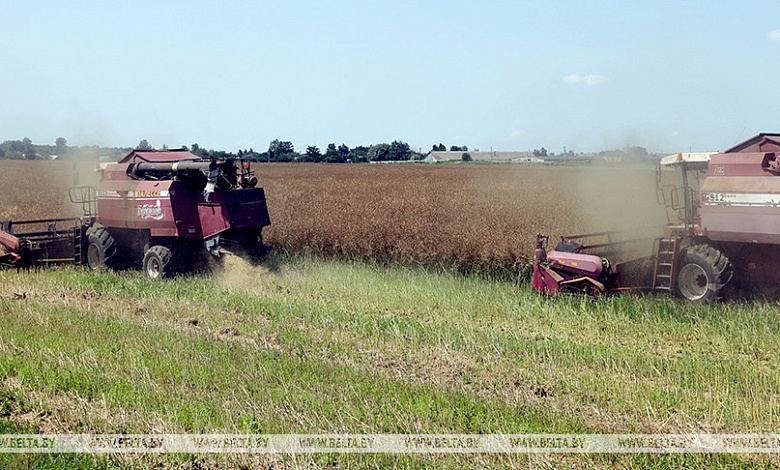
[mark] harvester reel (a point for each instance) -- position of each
(705, 274)
(157, 262)
(101, 248)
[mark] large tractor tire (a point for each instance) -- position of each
(101, 247)
(705, 274)
(157, 262)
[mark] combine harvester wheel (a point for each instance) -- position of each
(705, 274)
(101, 247)
(157, 261)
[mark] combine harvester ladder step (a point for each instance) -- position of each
(665, 260)
(77, 234)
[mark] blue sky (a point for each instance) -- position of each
(512, 75)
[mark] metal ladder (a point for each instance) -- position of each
(78, 233)
(665, 261)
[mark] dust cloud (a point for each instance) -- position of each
(622, 199)
(236, 274)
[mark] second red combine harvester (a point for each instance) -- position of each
(726, 233)
(163, 211)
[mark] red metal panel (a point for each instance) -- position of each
(589, 265)
(151, 206)
(765, 184)
(213, 219)
(113, 206)
(763, 142)
(185, 211)
(114, 171)
(740, 199)
(9, 241)
(742, 224)
(739, 164)
(545, 280)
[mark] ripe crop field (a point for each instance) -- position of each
(331, 344)
(36, 189)
(480, 218)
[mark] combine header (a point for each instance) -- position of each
(163, 211)
(726, 233)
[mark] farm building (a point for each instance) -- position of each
(502, 157)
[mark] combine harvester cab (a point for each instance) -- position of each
(723, 231)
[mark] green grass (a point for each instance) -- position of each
(308, 345)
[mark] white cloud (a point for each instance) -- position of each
(594, 79)
(518, 134)
(574, 79)
(775, 35)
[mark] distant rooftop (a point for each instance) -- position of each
(481, 156)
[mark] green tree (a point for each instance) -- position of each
(331, 154)
(281, 151)
(28, 149)
(144, 145)
(466, 157)
(281, 147)
(196, 149)
(312, 154)
(358, 154)
(378, 153)
(400, 151)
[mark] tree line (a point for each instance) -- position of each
(443, 148)
(284, 151)
(25, 149)
(278, 151)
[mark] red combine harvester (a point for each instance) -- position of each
(163, 211)
(727, 231)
